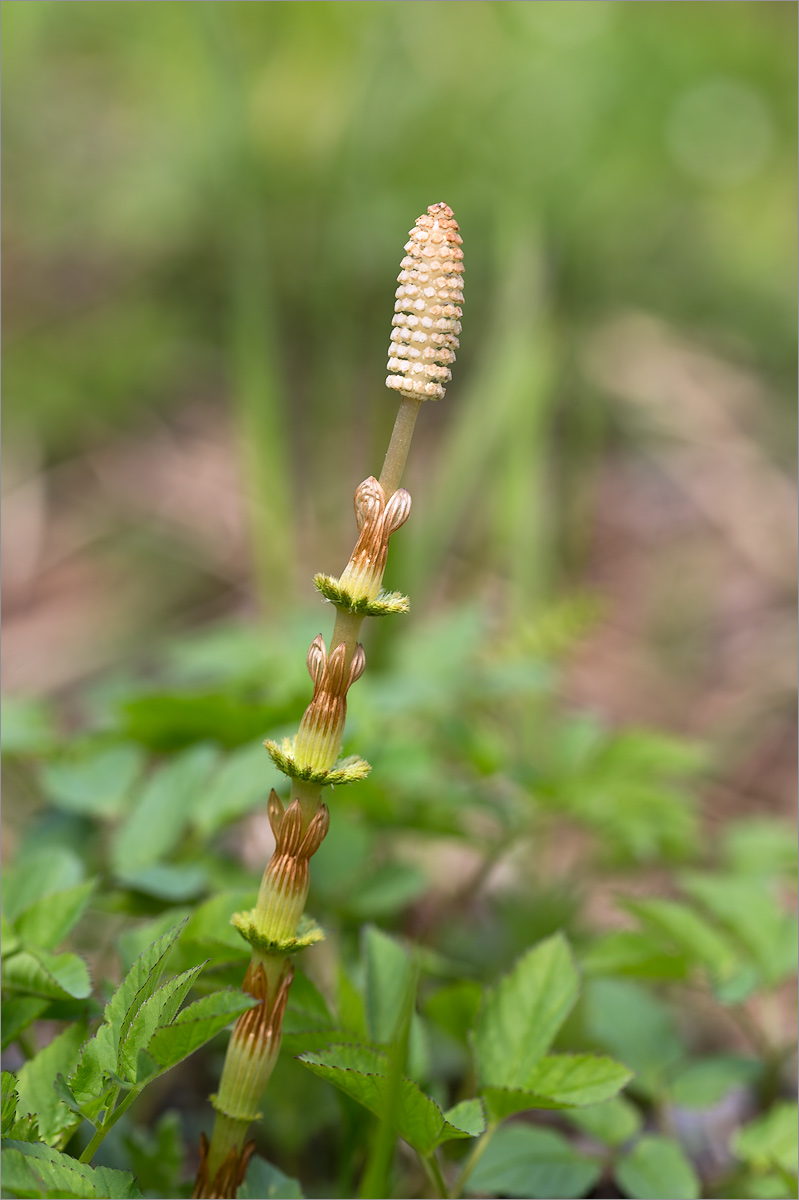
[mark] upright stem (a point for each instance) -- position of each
(400, 444)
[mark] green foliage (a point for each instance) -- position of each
(657, 1169)
(363, 1073)
(521, 1016)
(31, 1169)
(500, 1048)
(524, 1161)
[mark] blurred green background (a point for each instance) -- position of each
(204, 210)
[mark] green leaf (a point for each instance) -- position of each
(750, 912)
(626, 1019)
(468, 1115)
(522, 1160)
(560, 1081)
(159, 1009)
(33, 1169)
(172, 720)
(704, 1082)
(210, 921)
(139, 984)
(9, 1085)
(167, 881)
(157, 1157)
(40, 973)
(28, 727)
(18, 1013)
(38, 873)
(771, 1140)
(629, 952)
(613, 1122)
(388, 979)
(361, 1072)
(135, 940)
(761, 846)
(36, 1078)
(657, 1169)
(162, 811)
(522, 1014)
(100, 1056)
(196, 1025)
(455, 1007)
(241, 783)
(47, 921)
(690, 932)
(393, 887)
(97, 785)
(265, 1182)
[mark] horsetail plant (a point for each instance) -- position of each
(424, 338)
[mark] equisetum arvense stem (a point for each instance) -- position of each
(423, 343)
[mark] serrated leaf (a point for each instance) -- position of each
(38, 873)
(522, 1014)
(31, 1168)
(139, 984)
(196, 1025)
(18, 1013)
(522, 1160)
(361, 1072)
(468, 1115)
(265, 1182)
(771, 1140)
(96, 785)
(159, 1009)
(614, 1122)
(657, 1169)
(36, 1078)
(100, 1056)
(162, 811)
(48, 920)
(9, 1085)
(40, 973)
(560, 1081)
(98, 1060)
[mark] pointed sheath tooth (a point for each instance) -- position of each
(357, 666)
(317, 659)
(274, 810)
(428, 298)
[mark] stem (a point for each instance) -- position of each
(91, 1149)
(433, 1172)
(346, 629)
(400, 444)
(473, 1160)
(228, 1135)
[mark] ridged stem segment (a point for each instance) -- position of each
(424, 338)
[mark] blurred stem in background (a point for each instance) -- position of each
(255, 377)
